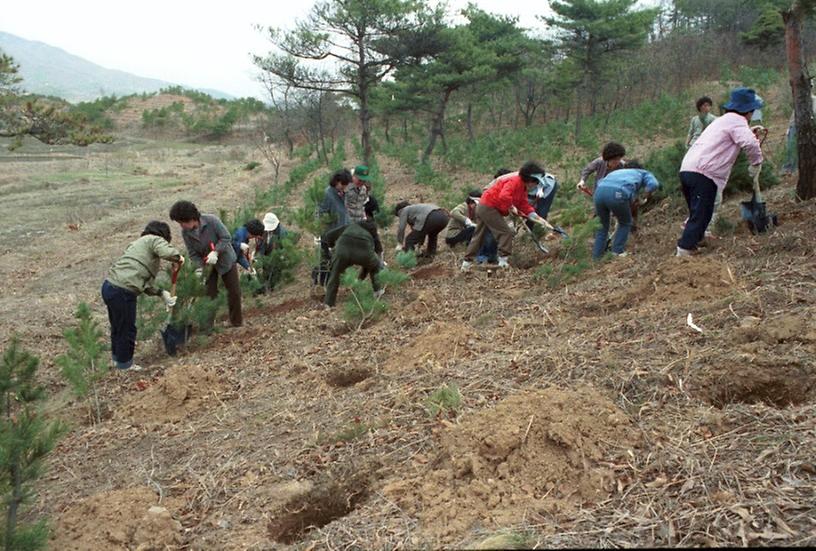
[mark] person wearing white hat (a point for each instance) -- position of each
(273, 233)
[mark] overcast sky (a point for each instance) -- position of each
(192, 43)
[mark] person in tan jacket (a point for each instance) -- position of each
(132, 274)
(463, 220)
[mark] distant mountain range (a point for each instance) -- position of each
(52, 71)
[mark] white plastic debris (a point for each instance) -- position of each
(690, 323)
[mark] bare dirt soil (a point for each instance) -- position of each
(591, 414)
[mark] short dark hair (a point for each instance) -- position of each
(474, 195)
(702, 101)
(528, 169)
(340, 177)
(612, 150)
(254, 227)
(401, 205)
(502, 172)
(184, 211)
(633, 163)
(156, 227)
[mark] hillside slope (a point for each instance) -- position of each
(591, 414)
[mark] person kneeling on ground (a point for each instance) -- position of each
(462, 225)
(133, 274)
(209, 244)
(245, 242)
(508, 195)
(614, 195)
(357, 244)
(708, 162)
(425, 220)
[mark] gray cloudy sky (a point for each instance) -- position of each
(194, 43)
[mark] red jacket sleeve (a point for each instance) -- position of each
(520, 198)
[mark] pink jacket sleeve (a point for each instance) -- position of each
(749, 143)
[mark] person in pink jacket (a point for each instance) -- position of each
(708, 163)
(508, 195)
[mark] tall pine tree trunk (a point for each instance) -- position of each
(471, 137)
(803, 104)
(437, 126)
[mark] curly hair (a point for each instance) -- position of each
(156, 227)
(340, 177)
(184, 211)
(612, 150)
(528, 169)
(254, 227)
(702, 101)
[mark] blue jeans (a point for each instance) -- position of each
(700, 193)
(489, 251)
(609, 200)
(121, 305)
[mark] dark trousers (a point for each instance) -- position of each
(461, 237)
(233, 287)
(700, 193)
(121, 305)
(435, 222)
(345, 255)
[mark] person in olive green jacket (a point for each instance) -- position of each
(357, 244)
(133, 274)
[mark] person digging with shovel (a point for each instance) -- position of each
(508, 195)
(708, 163)
(209, 245)
(132, 274)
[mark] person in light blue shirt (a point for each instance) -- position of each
(613, 196)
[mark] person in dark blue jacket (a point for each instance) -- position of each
(246, 241)
(613, 196)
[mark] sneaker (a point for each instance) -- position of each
(624, 253)
(466, 264)
(684, 252)
(683, 225)
(133, 367)
(503, 262)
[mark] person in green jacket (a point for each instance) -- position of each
(133, 274)
(354, 245)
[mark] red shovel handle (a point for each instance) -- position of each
(586, 191)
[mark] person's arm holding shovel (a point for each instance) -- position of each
(165, 251)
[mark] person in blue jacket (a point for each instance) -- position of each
(242, 242)
(613, 196)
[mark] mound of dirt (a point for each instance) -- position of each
(181, 390)
(441, 342)
(538, 451)
(122, 519)
(678, 281)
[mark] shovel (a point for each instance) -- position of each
(172, 336)
(754, 211)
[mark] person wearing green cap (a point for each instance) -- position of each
(357, 194)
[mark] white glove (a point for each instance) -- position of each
(181, 260)
(753, 170)
(398, 248)
(212, 258)
(514, 210)
(244, 247)
(169, 300)
(470, 223)
(252, 272)
(581, 185)
(199, 272)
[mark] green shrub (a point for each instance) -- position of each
(193, 306)
(26, 439)
(446, 399)
(407, 259)
(252, 165)
(83, 365)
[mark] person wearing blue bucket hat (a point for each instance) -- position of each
(708, 163)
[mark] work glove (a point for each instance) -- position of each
(169, 300)
(753, 170)
(180, 261)
(470, 223)
(199, 273)
(398, 248)
(539, 193)
(244, 247)
(581, 185)
(514, 210)
(212, 258)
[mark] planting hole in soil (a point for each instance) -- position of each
(347, 377)
(325, 503)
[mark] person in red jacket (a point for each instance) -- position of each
(508, 195)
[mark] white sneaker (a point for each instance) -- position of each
(684, 252)
(466, 264)
(624, 253)
(503, 262)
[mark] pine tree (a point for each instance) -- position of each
(83, 365)
(25, 439)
